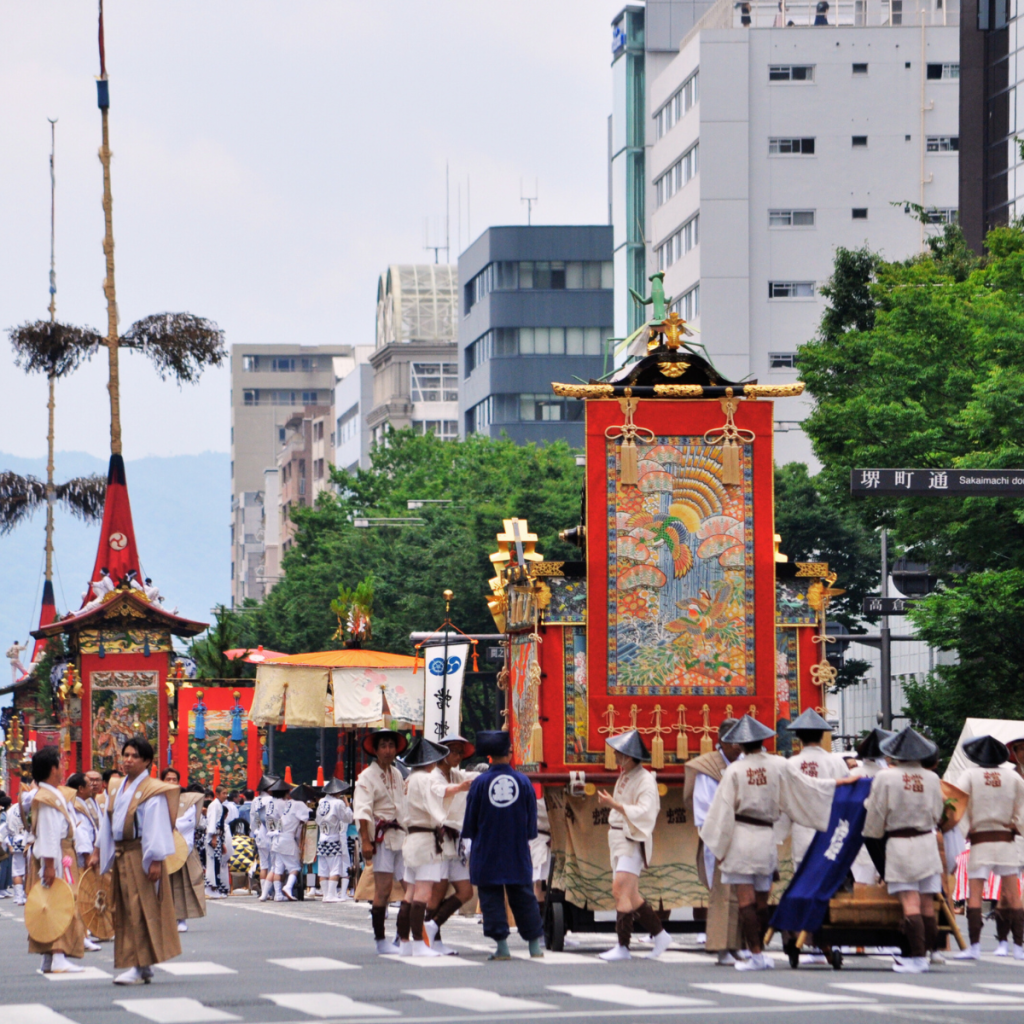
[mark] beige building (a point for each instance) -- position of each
(415, 378)
(303, 462)
(269, 385)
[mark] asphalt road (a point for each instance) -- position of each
(259, 963)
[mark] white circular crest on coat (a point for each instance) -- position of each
(503, 791)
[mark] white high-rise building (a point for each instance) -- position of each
(768, 142)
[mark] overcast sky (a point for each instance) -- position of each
(270, 159)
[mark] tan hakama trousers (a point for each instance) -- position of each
(188, 887)
(145, 929)
(723, 924)
(72, 942)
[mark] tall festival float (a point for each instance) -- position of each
(679, 613)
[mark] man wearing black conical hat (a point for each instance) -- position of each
(288, 818)
(259, 813)
(379, 810)
(815, 762)
(904, 807)
(994, 817)
(448, 774)
(872, 761)
(333, 816)
(423, 851)
(753, 795)
(634, 806)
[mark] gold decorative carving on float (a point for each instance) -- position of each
(673, 369)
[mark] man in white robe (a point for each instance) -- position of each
(259, 816)
(288, 818)
(218, 848)
(333, 816)
(755, 792)
(634, 805)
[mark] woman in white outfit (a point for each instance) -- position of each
(333, 817)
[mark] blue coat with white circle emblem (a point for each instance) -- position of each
(501, 819)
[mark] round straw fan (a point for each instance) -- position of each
(95, 903)
(177, 859)
(49, 911)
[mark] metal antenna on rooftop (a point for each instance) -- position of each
(447, 217)
(529, 200)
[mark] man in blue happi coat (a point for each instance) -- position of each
(501, 819)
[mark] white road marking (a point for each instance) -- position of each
(775, 993)
(904, 990)
(314, 963)
(32, 1013)
(678, 956)
(478, 999)
(174, 1011)
(555, 959)
(328, 1004)
(1000, 987)
(627, 996)
(194, 968)
(86, 974)
(430, 961)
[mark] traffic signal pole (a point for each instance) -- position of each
(885, 666)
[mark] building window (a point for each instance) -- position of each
(860, 213)
(667, 116)
(446, 430)
(548, 274)
(935, 215)
(943, 144)
(522, 408)
(859, 140)
(250, 396)
(790, 289)
(688, 304)
(308, 397)
(790, 147)
(318, 469)
(860, 69)
(318, 430)
(791, 218)
(679, 243)
(280, 435)
(791, 73)
(938, 71)
(669, 183)
(536, 341)
(781, 360)
(434, 382)
(348, 425)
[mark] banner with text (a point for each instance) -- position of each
(442, 692)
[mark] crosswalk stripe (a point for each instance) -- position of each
(775, 993)
(314, 963)
(194, 968)
(32, 1013)
(479, 999)
(174, 1011)
(555, 959)
(328, 1004)
(1000, 987)
(86, 974)
(679, 956)
(626, 996)
(903, 990)
(430, 961)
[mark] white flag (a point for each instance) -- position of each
(442, 692)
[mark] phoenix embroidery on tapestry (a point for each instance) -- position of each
(681, 555)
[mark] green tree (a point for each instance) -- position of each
(932, 375)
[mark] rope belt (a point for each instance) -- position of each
(995, 836)
(908, 833)
(746, 819)
(439, 834)
(383, 826)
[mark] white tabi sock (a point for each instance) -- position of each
(277, 886)
(265, 887)
(290, 884)
(331, 890)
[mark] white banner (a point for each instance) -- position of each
(360, 695)
(442, 690)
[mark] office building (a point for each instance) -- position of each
(991, 166)
(766, 147)
(301, 473)
(536, 308)
(269, 384)
(415, 383)
(353, 400)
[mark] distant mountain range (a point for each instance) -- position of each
(181, 507)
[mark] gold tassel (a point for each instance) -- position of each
(731, 465)
(628, 464)
(657, 753)
(706, 743)
(682, 746)
(537, 744)
(609, 758)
